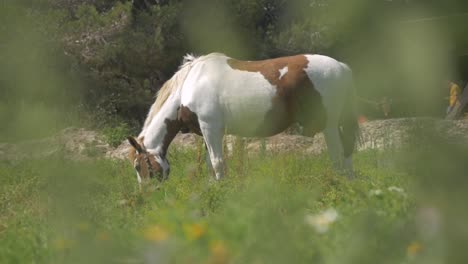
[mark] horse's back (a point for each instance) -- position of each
(260, 98)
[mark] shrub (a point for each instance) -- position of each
(116, 134)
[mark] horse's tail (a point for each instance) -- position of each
(349, 132)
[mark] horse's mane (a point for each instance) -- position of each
(171, 85)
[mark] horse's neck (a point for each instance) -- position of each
(163, 127)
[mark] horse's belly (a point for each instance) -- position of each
(253, 117)
(251, 105)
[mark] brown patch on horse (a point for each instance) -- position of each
(270, 69)
(172, 128)
(132, 153)
(147, 166)
(296, 99)
(144, 162)
(155, 166)
(189, 120)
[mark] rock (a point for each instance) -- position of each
(121, 152)
(70, 143)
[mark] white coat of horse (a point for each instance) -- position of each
(214, 94)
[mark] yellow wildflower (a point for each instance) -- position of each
(219, 253)
(63, 244)
(102, 236)
(155, 233)
(194, 231)
(414, 249)
(82, 227)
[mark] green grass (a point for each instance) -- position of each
(60, 211)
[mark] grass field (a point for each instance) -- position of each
(271, 209)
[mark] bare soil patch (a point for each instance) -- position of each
(82, 144)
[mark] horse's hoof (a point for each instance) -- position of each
(351, 176)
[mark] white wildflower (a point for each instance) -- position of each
(381, 213)
(396, 189)
(376, 192)
(322, 221)
(122, 202)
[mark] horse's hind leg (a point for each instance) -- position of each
(209, 166)
(333, 105)
(335, 149)
(213, 134)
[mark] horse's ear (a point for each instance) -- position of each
(139, 148)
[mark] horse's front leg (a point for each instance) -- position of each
(213, 134)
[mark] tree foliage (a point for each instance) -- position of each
(120, 52)
(123, 51)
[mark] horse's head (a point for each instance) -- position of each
(147, 165)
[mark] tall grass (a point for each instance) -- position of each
(93, 212)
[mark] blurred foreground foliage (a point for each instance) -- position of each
(63, 60)
(406, 206)
(93, 212)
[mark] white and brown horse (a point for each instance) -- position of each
(214, 94)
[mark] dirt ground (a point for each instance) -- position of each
(80, 143)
